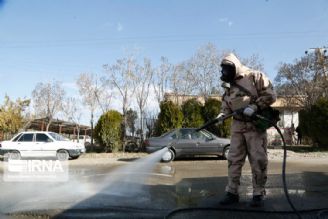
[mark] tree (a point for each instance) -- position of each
(143, 82)
(253, 62)
(161, 79)
(170, 117)
(11, 114)
(131, 117)
(304, 80)
(122, 76)
(192, 113)
(314, 122)
(89, 89)
(73, 113)
(211, 110)
(151, 119)
(108, 130)
(47, 99)
(104, 95)
(205, 68)
(182, 82)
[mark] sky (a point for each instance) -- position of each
(46, 40)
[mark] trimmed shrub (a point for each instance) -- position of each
(108, 131)
(211, 110)
(192, 114)
(170, 117)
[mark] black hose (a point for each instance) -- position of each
(283, 165)
(320, 213)
(212, 122)
(284, 158)
(209, 123)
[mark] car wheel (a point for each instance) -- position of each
(226, 152)
(14, 155)
(168, 156)
(133, 147)
(128, 147)
(62, 155)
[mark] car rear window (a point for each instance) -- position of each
(57, 137)
(42, 138)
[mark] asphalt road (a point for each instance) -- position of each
(126, 188)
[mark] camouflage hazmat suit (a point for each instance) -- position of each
(246, 140)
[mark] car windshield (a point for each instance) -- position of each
(167, 134)
(208, 134)
(16, 137)
(57, 137)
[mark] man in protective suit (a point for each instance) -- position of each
(249, 92)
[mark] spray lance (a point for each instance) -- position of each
(267, 118)
(216, 120)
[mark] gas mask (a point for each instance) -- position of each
(228, 72)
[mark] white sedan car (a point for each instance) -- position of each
(41, 144)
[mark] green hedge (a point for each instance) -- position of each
(170, 117)
(314, 123)
(211, 110)
(108, 131)
(191, 114)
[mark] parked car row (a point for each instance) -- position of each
(41, 144)
(188, 141)
(180, 142)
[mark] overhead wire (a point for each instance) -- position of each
(158, 38)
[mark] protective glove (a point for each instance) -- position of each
(250, 110)
(220, 118)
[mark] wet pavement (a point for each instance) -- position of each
(195, 186)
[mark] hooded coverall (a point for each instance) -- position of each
(246, 140)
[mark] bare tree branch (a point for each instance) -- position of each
(304, 79)
(143, 82)
(89, 89)
(161, 79)
(72, 112)
(122, 76)
(47, 100)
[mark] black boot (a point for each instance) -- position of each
(229, 199)
(257, 201)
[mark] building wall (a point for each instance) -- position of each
(287, 118)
